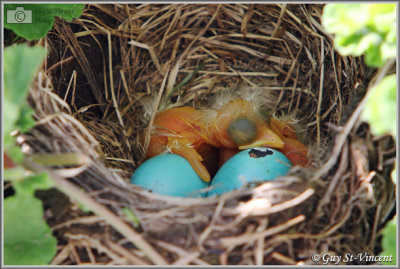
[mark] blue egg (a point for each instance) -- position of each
(249, 166)
(169, 174)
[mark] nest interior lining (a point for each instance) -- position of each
(106, 65)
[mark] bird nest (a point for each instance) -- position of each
(91, 100)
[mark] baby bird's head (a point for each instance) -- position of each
(239, 124)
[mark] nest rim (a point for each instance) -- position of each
(300, 187)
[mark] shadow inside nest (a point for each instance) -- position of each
(106, 65)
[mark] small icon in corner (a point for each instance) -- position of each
(19, 15)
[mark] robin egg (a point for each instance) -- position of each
(249, 166)
(169, 174)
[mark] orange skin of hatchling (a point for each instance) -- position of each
(202, 136)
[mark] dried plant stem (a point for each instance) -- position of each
(88, 242)
(61, 256)
(152, 54)
(181, 252)
(377, 217)
(60, 63)
(333, 183)
(278, 23)
(112, 88)
(283, 258)
(80, 220)
(69, 158)
(72, 79)
(231, 242)
(320, 93)
(82, 59)
(276, 208)
(128, 255)
(185, 260)
(153, 115)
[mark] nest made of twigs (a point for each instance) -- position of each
(90, 99)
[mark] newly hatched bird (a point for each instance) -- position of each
(208, 137)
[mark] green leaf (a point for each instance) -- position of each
(388, 50)
(132, 217)
(39, 181)
(380, 109)
(367, 42)
(33, 21)
(344, 19)
(9, 120)
(27, 238)
(25, 120)
(14, 152)
(21, 64)
(82, 206)
(373, 57)
(14, 174)
(363, 29)
(389, 242)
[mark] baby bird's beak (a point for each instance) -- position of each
(265, 138)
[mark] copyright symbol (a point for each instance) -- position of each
(315, 258)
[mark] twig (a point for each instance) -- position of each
(90, 254)
(85, 240)
(125, 86)
(74, 253)
(68, 158)
(209, 228)
(278, 23)
(333, 183)
(185, 80)
(249, 74)
(80, 220)
(377, 217)
(61, 256)
(128, 255)
(276, 208)
(75, 193)
(63, 61)
(153, 55)
(282, 258)
(342, 136)
(112, 89)
(73, 44)
(330, 230)
(339, 94)
(185, 260)
(260, 244)
(246, 238)
(175, 70)
(154, 112)
(180, 251)
(299, 22)
(72, 79)
(321, 90)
